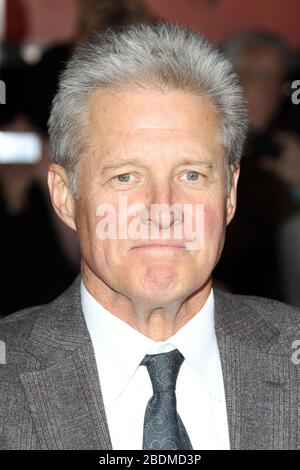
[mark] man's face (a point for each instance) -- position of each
(149, 147)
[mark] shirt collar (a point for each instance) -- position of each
(120, 348)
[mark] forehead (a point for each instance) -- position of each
(134, 118)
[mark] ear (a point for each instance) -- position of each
(61, 196)
(232, 194)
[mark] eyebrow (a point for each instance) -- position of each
(124, 162)
(120, 163)
(196, 162)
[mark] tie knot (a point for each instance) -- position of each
(163, 369)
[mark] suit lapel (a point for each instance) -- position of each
(64, 394)
(260, 384)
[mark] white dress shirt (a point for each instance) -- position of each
(126, 386)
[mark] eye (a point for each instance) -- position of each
(193, 176)
(123, 178)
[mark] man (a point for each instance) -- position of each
(140, 352)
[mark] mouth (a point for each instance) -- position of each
(159, 248)
(159, 244)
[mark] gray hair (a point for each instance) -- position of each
(161, 55)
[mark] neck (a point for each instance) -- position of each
(158, 322)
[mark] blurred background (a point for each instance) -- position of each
(39, 256)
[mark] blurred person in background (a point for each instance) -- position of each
(270, 174)
(39, 254)
(289, 233)
(100, 14)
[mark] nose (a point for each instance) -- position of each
(162, 210)
(161, 215)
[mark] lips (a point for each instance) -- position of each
(160, 244)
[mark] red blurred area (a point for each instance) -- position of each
(57, 20)
(16, 21)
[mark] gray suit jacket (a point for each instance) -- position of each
(50, 396)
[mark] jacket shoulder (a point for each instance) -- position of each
(274, 312)
(251, 317)
(16, 327)
(57, 314)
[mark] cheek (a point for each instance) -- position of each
(108, 249)
(87, 221)
(214, 223)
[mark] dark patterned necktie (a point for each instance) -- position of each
(163, 428)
